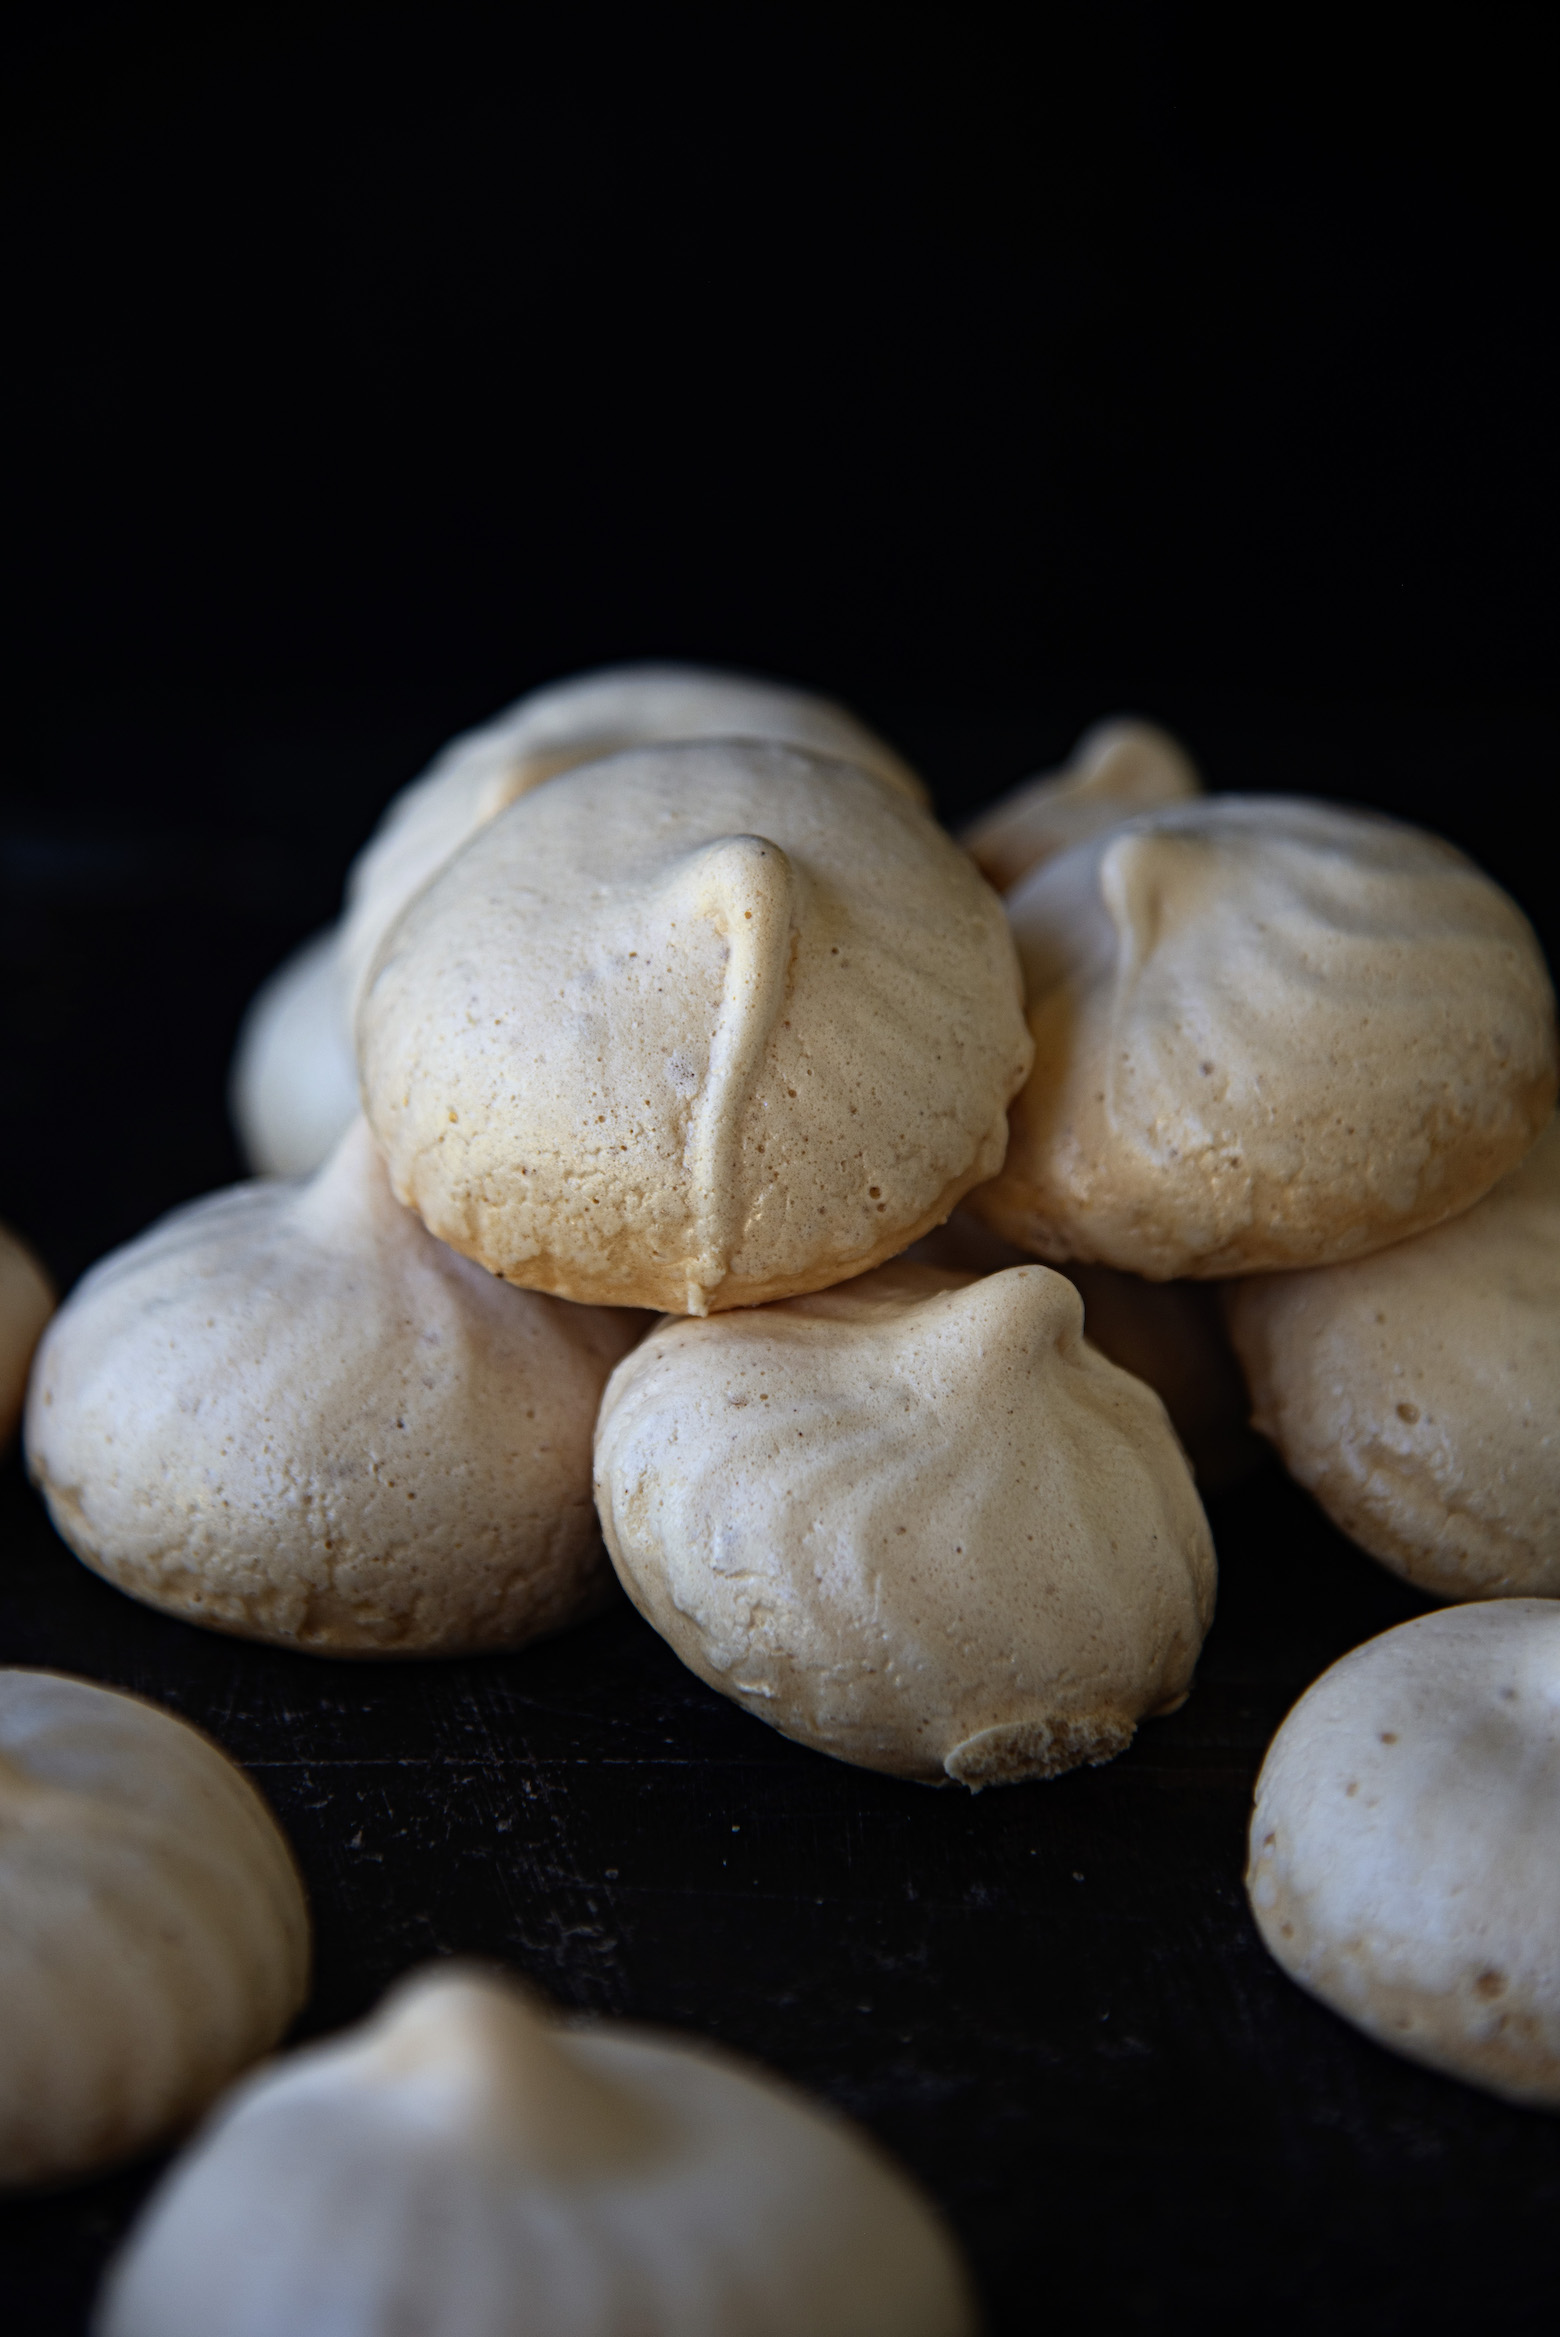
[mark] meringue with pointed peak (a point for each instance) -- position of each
(1416, 1393)
(289, 1413)
(154, 1938)
(1269, 1034)
(1117, 769)
(466, 2163)
(294, 1084)
(26, 1303)
(1167, 1333)
(916, 1522)
(695, 1028)
(559, 728)
(1405, 1846)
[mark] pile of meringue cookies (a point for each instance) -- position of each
(685, 1163)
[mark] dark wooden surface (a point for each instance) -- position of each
(1049, 2000)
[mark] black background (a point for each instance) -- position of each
(369, 365)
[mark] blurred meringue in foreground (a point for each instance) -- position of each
(154, 1938)
(465, 2165)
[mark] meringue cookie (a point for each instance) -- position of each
(464, 2164)
(1405, 1847)
(1269, 1034)
(1416, 1393)
(287, 1412)
(555, 730)
(293, 1091)
(154, 1938)
(1168, 1334)
(915, 1521)
(692, 1028)
(1118, 768)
